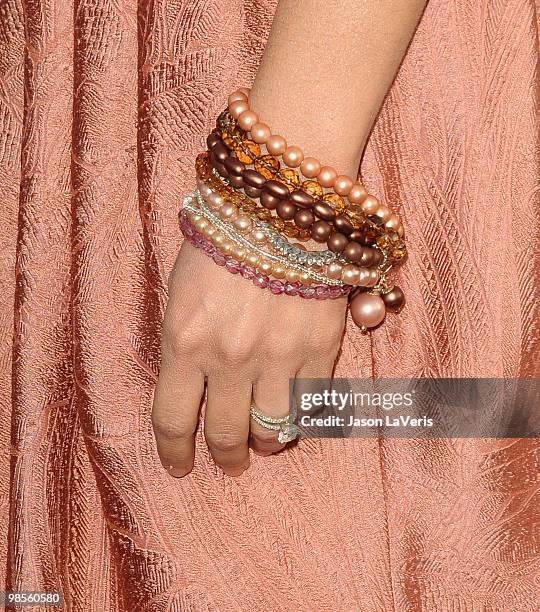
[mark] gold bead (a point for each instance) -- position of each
(238, 253)
(265, 267)
(267, 165)
(218, 239)
(253, 147)
(313, 188)
(252, 259)
(290, 178)
(292, 276)
(305, 278)
(278, 271)
(227, 248)
(335, 201)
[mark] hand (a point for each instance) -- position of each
(247, 343)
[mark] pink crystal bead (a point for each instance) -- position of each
(334, 292)
(259, 280)
(291, 288)
(219, 259)
(306, 292)
(233, 266)
(247, 272)
(321, 292)
(276, 287)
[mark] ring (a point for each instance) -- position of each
(286, 430)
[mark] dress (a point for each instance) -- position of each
(103, 107)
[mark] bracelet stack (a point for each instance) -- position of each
(259, 199)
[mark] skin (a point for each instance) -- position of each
(323, 77)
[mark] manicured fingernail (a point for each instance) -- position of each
(236, 471)
(177, 472)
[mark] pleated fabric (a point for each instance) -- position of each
(104, 105)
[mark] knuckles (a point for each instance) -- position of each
(224, 442)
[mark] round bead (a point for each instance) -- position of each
(337, 242)
(394, 299)
(236, 181)
(370, 205)
(252, 259)
(276, 145)
(350, 274)
(214, 200)
(286, 210)
(244, 90)
(364, 277)
(260, 132)
(324, 210)
(343, 225)
(343, 185)
(222, 170)
(239, 253)
(367, 310)
(277, 189)
(253, 178)
(353, 251)
(242, 224)
(327, 176)
(278, 270)
(320, 231)
(310, 167)
(258, 236)
(368, 257)
(377, 257)
(304, 218)
(293, 156)
(357, 194)
(334, 270)
(383, 213)
(238, 107)
(268, 200)
(292, 276)
(357, 236)
(247, 119)
(234, 166)
(235, 97)
(265, 267)
(212, 139)
(392, 223)
(228, 211)
(301, 198)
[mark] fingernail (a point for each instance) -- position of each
(177, 472)
(236, 471)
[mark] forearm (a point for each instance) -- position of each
(327, 66)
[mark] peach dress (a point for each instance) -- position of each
(103, 107)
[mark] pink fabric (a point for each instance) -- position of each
(103, 106)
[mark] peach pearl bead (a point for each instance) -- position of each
(374, 277)
(343, 185)
(327, 176)
(363, 276)
(367, 310)
(253, 260)
(258, 236)
(276, 145)
(228, 211)
(293, 156)
(310, 167)
(247, 120)
(218, 239)
(244, 90)
(235, 97)
(265, 267)
(392, 223)
(292, 276)
(227, 248)
(239, 253)
(357, 194)
(238, 107)
(384, 213)
(201, 223)
(305, 278)
(350, 275)
(209, 231)
(334, 270)
(278, 271)
(260, 133)
(370, 205)
(242, 224)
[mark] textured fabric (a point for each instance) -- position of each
(103, 107)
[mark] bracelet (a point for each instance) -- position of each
(256, 193)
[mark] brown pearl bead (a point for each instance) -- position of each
(337, 242)
(357, 236)
(367, 310)
(304, 218)
(301, 198)
(394, 299)
(253, 178)
(220, 152)
(236, 181)
(252, 192)
(353, 251)
(286, 210)
(324, 211)
(212, 139)
(222, 170)
(234, 166)
(377, 257)
(368, 256)
(268, 200)
(320, 231)
(343, 225)
(277, 189)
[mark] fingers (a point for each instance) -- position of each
(226, 425)
(271, 398)
(175, 411)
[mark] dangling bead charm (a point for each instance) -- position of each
(367, 310)
(394, 299)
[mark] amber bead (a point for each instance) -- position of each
(264, 214)
(335, 201)
(313, 188)
(241, 154)
(289, 177)
(291, 232)
(267, 165)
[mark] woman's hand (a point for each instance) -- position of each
(247, 343)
